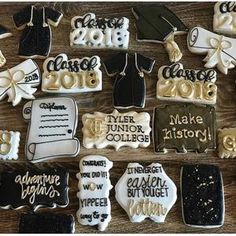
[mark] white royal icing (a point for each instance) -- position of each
(94, 187)
(116, 129)
(61, 75)
(92, 32)
(19, 82)
(146, 192)
(220, 50)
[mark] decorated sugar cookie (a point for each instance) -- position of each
(159, 24)
(227, 143)
(34, 188)
(202, 196)
(61, 75)
(46, 223)
(220, 50)
(9, 144)
(116, 129)
(146, 192)
(128, 71)
(52, 128)
(94, 187)
(184, 128)
(20, 82)
(90, 31)
(186, 85)
(36, 38)
(224, 20)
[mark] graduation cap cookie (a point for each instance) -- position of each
(159, 24)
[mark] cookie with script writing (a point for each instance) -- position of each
(186, 85)
(146, 192)
(34, 188)
(202, 196)
(46, 223)
(90, 31)
(224, 20)
(20, 82)
(116, 129)
(61, 75)
(9, 144)
(52, 128)
(184, 128)
(94, 188)
(220, 50)
(227, 143)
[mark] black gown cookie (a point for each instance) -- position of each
(202, 196)
(128, 70)
(46, 223)
(36, 38)
(159, 24)
(34, 188)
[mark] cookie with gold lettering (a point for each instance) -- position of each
(227, 143)
(146, 192)
(61, 75)
(184, 128)
(94, 188)
(186, 85)
(9, 144)
(34, 188)
(224, 17)
(202, 196)
(116, 129)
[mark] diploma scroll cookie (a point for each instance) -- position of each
(94, 187)
(20, 82)
(62, 75)
(52, 128)
(224, 20)
(9, 145)
(90, 31)
(116, 129)
(146, 192)
(220, 50)
(227, 143)
(186, 85)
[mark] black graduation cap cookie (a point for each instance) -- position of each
(202, 196)
(159, 24)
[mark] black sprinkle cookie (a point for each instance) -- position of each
(34, 188)
(46, 223)
(202, 196)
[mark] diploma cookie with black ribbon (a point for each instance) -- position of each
(63, 75)
(94, 188)
(202, 196)
(20, 82)
(186, 85)
(34, 188)
(128, 71)
(36, 39)
(146, 192)
(224, 20)
(184, 128)
(159, 24)
(116, 129)
(227, 143)
(9, 144)
(52, 128)
(220, 50)
(89, 31)
(46, 223)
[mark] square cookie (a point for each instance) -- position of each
(202, 196)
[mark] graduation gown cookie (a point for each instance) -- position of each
(128, 71)
(159, 24)
(36, 38)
